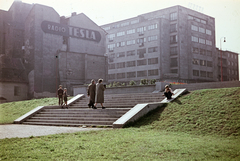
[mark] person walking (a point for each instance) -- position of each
(168, 92)
(65, 95)
(91, 92)
(99, 94)
(60, 95)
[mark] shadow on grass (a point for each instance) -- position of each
(149, 118)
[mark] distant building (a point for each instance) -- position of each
(172, 44)
(228, 67)
(48, 50)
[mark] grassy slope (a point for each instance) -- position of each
(13, 110)
(200, 112)
(202, 125)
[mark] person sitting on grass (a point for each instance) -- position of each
(168, 92)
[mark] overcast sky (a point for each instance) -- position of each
(225, 12)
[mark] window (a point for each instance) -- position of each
(194, 28)
(152, 49)
(121, 54)
(130, 42)
(111, 57)
(175, 71)
(208, 53)
(131, 63)
(203, 62)
(209, 63)
(141, 29)
(173, 27)
(106, 28)
(203, 73)
(122, 33)
(195, 50)
(121, 65)
(194, 39)
(152, 38)
(173, 62)
(111, 47)
(202, 30)
(173, 39)
(141, 73)
(151, 27)
(201, 41)
(141, 40)
(142, 62)
(208, 32)
(190, 17)
(111, 76)
(203, 21)
(132, 31)
(173, 50)
(111, 66)
(202, 51)
(195, 61)
(120, 75)
(173, 16)
(141, 52)
(131, 53)
(17, 91)
(153, 72)
(131, 74)
(208, 42)
(119, 44)
(111, 37)
(135, 21)
(124, 24)
(195, 73)
(152, 61)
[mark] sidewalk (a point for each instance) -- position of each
(23, 131)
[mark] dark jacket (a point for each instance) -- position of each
(91, 92)
(99, 93)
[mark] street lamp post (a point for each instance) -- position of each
(221, 56)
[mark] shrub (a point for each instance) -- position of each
(152, 81)
(144, 82)
(132, 83)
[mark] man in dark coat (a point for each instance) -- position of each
(91, 92)
(99, 93)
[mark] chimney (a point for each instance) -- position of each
(74, 13)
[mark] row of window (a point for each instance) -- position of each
(202, 62)
(133, 52)
(134, 74)
(201, 51)
(229, 55)
(133, 63)
(232, 72)
(121, 25)
(200, 29)
(197, 19)
(132, 42)
(132, 31)
(201, 40)
(202, 73)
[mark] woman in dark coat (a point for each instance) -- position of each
(100, 93)
(91, 92)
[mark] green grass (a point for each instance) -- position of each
(202, 125)
(13, 110)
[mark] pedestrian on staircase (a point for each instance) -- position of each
(65, 95)
(168, 92)
(99, 93)
(60, 95)
(91, 92)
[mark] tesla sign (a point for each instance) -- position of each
(70, 31)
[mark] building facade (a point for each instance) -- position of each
(228, 67)
(175, 44)
(50, 50)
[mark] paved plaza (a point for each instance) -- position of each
(23, 131)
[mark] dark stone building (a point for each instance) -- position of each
(52, 50)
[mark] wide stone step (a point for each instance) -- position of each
(74, 118)
(80, 115)
(90, 122)
(65, 124)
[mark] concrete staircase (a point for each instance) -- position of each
(79, 114)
